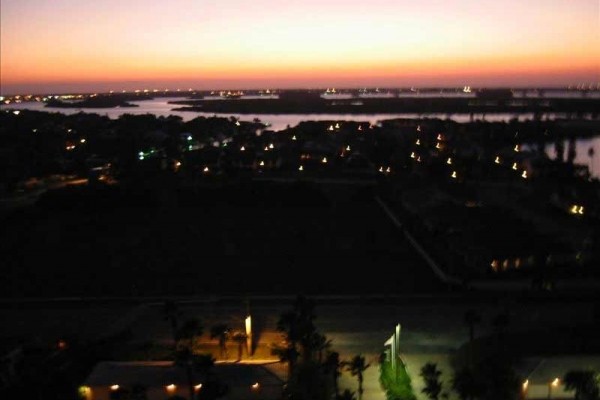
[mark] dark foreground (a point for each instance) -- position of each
(256, 239)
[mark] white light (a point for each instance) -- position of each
(301, 168)
(516, 149)
(114, 387)
(198, 386)
(262, 163)
(324, 160)
(237, 123)
(242, 148)
(454, 174)
(348, 148)
(418, 142)
(294, 137)
(449, 161)
(255, 386)
(337, 126)
(524, 175)
(82, 141)
(412, 155)
(16, 112)
(380, 169)
(330, 128)
(514, 166)
(171, 387)
(266, 148)
(206, 169)
(497, 160)
(388, 170)
(271, 145)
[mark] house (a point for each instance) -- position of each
(162, 379)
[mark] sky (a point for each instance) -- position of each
(79, 45)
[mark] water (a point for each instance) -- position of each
(160, 107)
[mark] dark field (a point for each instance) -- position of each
(258, 238)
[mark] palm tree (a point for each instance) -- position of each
(287, 354)
(221, 332)
(298, 327)
(319, 343)
(472, 318)
(465, 384)
(583, 382)
(431, 376)
(190, 329)
(240, 338)
(171, 314)
(200, 363)
(357, 366)
(334, 366)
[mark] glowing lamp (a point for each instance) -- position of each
(114, 387)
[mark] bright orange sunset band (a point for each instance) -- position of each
(108, 44)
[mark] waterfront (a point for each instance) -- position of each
(162, 107)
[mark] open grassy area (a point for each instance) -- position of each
(261, 238)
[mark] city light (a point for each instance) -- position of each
(198, 387)
(449, 161)
(337, 126)
(255, 386)
(262, 164)
(330, 128)
(514, 166)
(454, 174)
(271, 146)
(324, 160)
(348, 148)
(412, 155)
(206, 170)
(497, 160)
(242, 148)
(114, 387)
(555, 382)
(516, 149)
(294, 137)
(301, 168)
(524, 175)
(418, 142)
(171, 387)
(82, 141)
(526, 384)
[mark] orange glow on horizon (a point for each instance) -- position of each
(306, 43)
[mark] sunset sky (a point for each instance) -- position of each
(80, 45)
